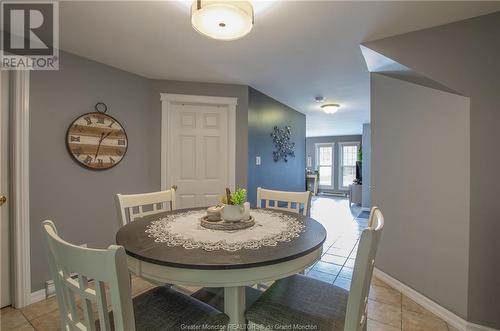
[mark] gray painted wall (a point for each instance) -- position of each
(263, 114)
(420, 180)
(81, 201)
(211, 89)
(311, 151)
(367, 160)
(464, 56)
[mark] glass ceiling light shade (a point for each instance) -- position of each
(222, 19)
(330, 108)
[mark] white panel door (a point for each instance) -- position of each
(4, 189)
(325, 164)
(198, 158)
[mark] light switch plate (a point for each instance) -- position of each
(257, 160)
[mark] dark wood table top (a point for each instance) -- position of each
(139, 245)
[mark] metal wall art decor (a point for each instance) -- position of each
(282, 144)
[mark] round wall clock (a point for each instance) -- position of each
(96, 140)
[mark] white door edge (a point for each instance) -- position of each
(166, 101)
(5, 226)
(20, 84)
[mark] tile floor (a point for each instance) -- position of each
(388, 309)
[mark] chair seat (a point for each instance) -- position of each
(162, 308)
(300, 300)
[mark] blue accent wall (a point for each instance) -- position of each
(263, 114)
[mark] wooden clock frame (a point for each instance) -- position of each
(84, 165)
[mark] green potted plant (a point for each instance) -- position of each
(234, 205)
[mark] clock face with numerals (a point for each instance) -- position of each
(97, 141)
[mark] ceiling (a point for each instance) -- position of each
(296, 51)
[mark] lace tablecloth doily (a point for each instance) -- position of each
(184, 229)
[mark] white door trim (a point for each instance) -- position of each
(166, 101)
(20, 85)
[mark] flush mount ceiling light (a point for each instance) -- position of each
(330, 108)
(222, 19)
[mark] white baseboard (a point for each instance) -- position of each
(448, 316)
(477, 327)
(37, 296)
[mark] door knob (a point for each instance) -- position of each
(3, 199)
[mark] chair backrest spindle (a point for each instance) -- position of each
(287, 199)
(126, 205)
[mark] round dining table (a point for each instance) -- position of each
(155, 254)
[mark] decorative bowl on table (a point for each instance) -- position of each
(214, 213)
(233, 213)
(234, 205)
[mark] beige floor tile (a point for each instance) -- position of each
(377, 326)
(410, 305)
(23, 327)
(11, 318)
(186, 289)
(379, 282)
(418, 322)
(140, 285)
(384, 313)
(47, 322)
(40, 308)
(452, 328)
(6, 310)
(385, 294)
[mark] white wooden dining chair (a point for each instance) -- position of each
(294, 201)
(303, 301)
(357, 304)
(131, 206)
(88, 273)
(101, 265)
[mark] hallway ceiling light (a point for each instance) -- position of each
(222, 19)
(330, 108)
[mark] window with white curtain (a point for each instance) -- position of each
(324, 164)
(348, 157)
